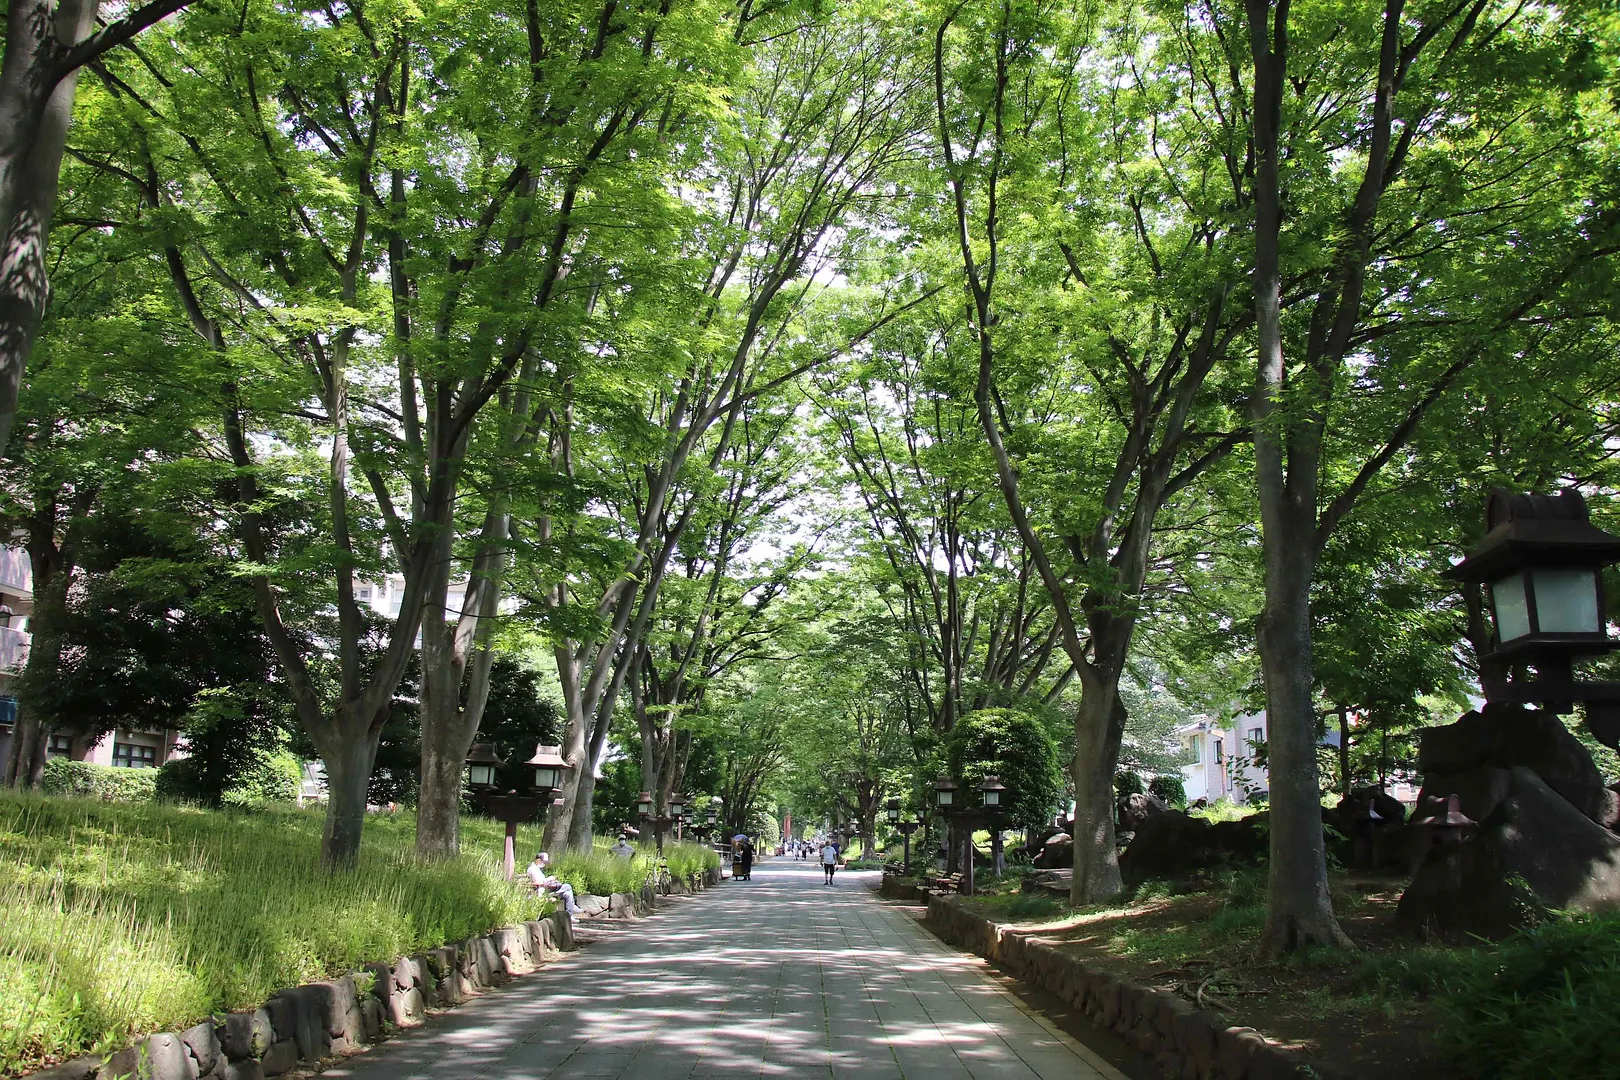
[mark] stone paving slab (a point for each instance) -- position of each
(778, 978)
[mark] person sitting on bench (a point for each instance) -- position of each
(541, 877)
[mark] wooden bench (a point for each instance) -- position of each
(942, 884)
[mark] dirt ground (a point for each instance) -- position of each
(1333, 1005)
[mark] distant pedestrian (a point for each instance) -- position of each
(829, 860)
(623, 849)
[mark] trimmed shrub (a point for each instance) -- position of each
(1128, 783)
(1170, 789)
(81, 778)
(1014, 746)
(274, 778)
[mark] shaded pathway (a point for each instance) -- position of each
(778, 977)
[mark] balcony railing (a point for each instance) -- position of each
(13, 650)
(16, 573)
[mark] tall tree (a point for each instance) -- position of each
(1385, 138)
(1096, 338)
(822, 114)
(47, 42)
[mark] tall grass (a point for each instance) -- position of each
(602, 873)
(121, 919)
(1542, 1003)
(685, 859)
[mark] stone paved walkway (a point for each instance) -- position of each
(780, 977)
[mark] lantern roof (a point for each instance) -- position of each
(548, 755)
(483, 753)
(992, 783)
(1536, 530)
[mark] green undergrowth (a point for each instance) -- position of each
(1502, 1010)
(1551, 994)
(126, 918)
(601, 873)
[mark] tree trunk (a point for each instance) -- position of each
(438, 805)
(23, 285)
(1344, 752)
(560, 819)
(1299, 912)
(25, 759)
(348, 777)
(456, 663)
(579, 826)
(1099, 727)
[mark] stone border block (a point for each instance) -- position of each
(1189, 1042)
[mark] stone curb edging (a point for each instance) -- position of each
(1192, 1043)
(305, 1024)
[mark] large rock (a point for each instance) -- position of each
(1508, 737)
(1478, 792)
(1057, 853)
(82, 1068)
(280, 1058)
(1534, 853)
(166, 1059)
(307, 1008)
(1175, 845)
(246, 1034)
(1133, 810)
(203, 1046)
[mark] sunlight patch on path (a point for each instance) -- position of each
(780, 977)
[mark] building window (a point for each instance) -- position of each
(59, 746)
(131, 756)
(1256, 737)
(1198, 749)
(8, 711)
(1220, 751)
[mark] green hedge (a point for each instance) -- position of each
(64, 777)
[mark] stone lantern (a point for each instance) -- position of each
(1541, 563)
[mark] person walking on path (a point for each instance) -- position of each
(829, 859)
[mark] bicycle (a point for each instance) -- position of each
(659, 879)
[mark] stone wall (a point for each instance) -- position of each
(1192, 1043)
(300, 1026)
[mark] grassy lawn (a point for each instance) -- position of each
(1394, 1007)
(128, 918)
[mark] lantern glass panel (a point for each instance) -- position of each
(480, 775)
(944, 796)
(992, 798)
(1566, 601)
(546, 776)
(1512, 610)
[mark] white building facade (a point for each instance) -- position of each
(1224, 754)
